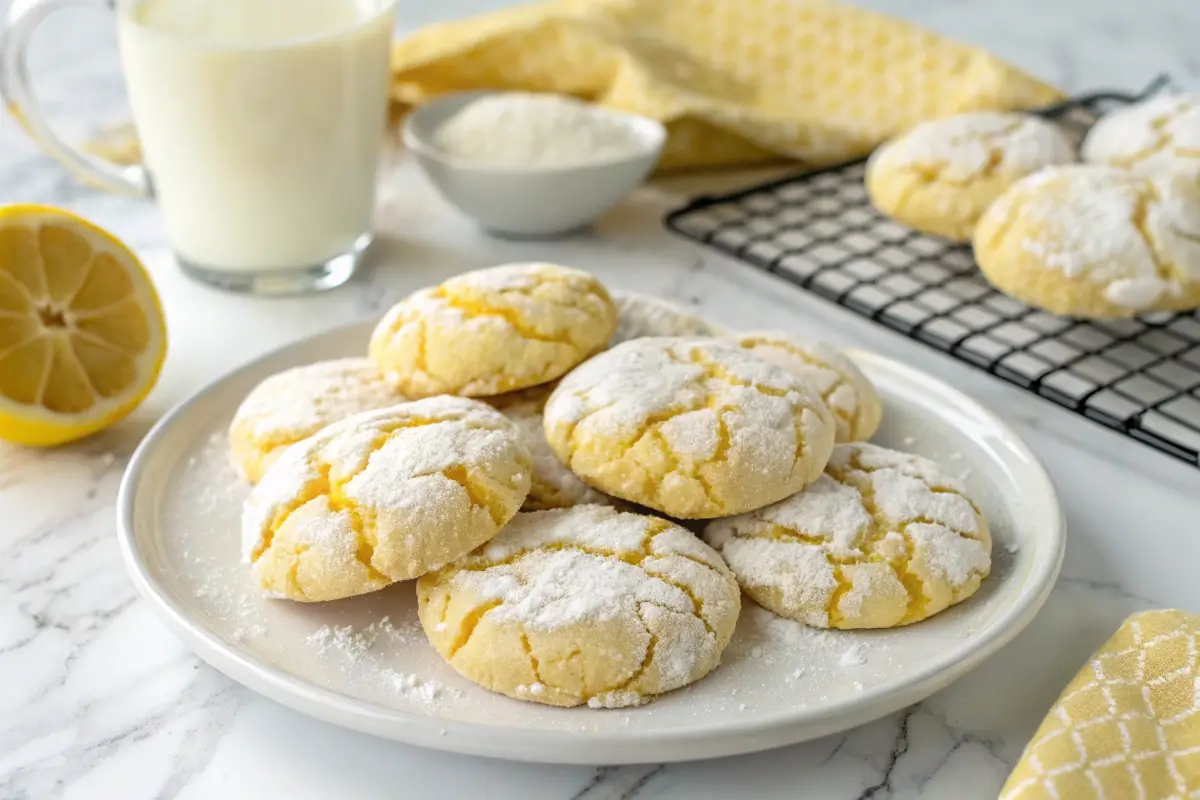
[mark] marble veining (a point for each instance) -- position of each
(99, 700)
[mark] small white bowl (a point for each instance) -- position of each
(528, 201)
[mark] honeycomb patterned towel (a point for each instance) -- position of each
(735, 81)
(1128, 725)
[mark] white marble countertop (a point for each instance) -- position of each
(97, 700)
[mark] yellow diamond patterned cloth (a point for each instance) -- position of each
(1128, 725)
(735, 81)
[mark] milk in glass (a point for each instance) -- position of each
(261, 122)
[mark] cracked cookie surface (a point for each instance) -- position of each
(641, 315)
(942, 175)
(583, 605)
(882, 539)
(493, 330)
(1095, 241)
(856, 407)
(384, 496)
(696, 428)
(296, 403)
(1159, 136)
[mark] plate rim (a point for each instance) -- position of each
(628, 745)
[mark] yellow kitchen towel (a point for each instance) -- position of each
(1128, 725)
(735, 81)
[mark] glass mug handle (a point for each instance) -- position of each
(24, 17)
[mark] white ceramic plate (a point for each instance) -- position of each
(779, 682)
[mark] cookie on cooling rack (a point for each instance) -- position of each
(1159, 136)
(1095, 241)
(296, 403)
(493, 331)
(384, 496)
(882, 539)
(583, 605)
(696, 428)
(943, 174)
(856, 407)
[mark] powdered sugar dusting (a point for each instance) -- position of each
(968, 145)
(1157, 136)
(854, 656)
(850, 531)
(641, 315)
(684, 391)
(839, 381)
(553, 483)
(590, 567)
(415, 687)
(397, 466)
(296, 403)
(1080, 220)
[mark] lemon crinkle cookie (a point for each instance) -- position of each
(641, 315)
(881, 539)
(493, 330)
(855, 404)
(696, 428)
(552, 485)
(1159, 136)
(384, 496)
(583, 605)
(296, 403)
(943, 174)
(1095, 241)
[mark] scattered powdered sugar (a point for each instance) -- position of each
(360, 654)
(854, 656)
(969, 145)
(353, 643)
(808, 656)
(249, 632)
(417, 688)
(641, 315)
(616, 700)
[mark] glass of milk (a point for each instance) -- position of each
(261, 124)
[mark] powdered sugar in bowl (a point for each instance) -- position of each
(531, 165)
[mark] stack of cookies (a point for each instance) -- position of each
(537, 455)
(1116, 236)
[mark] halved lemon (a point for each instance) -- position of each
(82, 337)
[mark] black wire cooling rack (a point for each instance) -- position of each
(819, 231)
